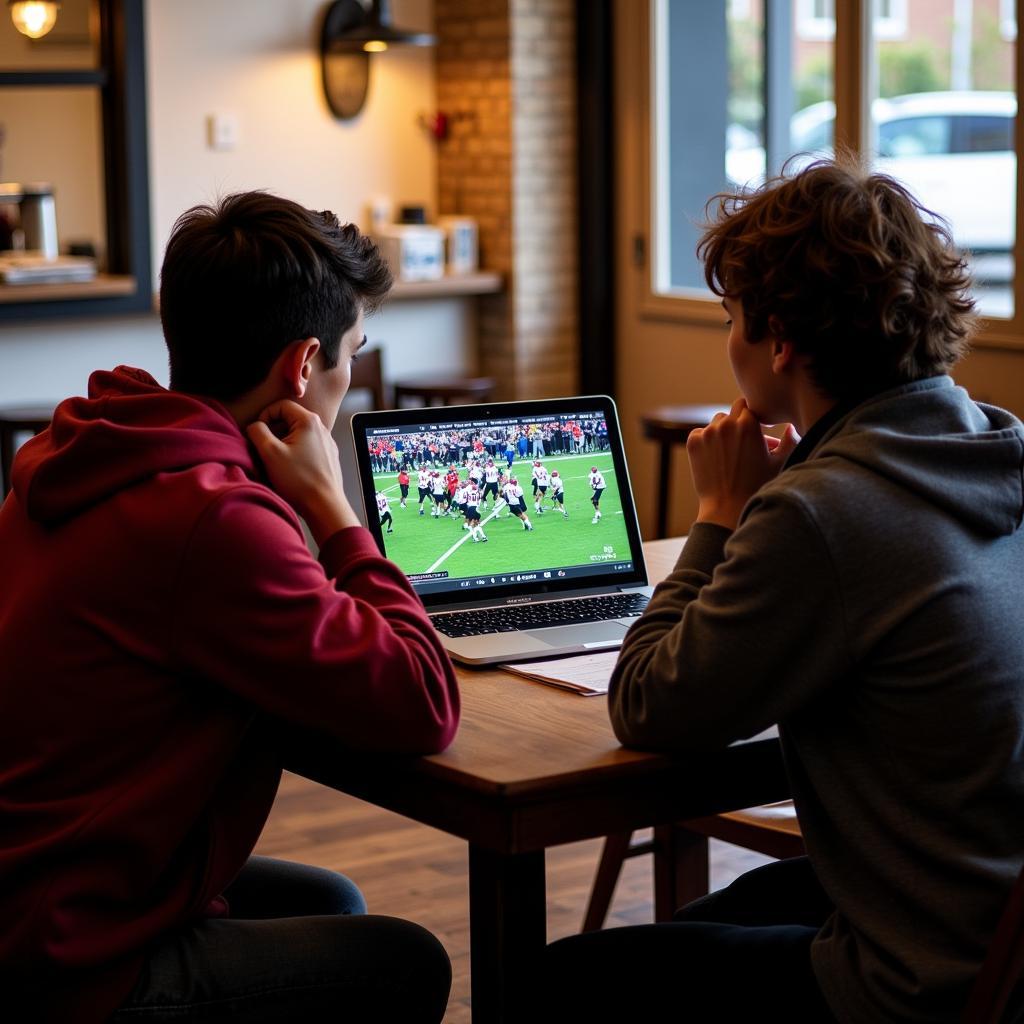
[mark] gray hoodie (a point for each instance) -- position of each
(870, 602)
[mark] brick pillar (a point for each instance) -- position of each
(506, 79)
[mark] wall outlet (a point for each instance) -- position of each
(222, 131)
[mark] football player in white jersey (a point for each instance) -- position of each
(516, 502)
(540, 486)
(423, 483)
(476, 531)
(558, 492)
(597, 485)
(384, 512)
(439, 490)
(490, 483)
(460, 501)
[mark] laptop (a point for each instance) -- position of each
(514, 522)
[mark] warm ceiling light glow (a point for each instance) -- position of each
(33, 18)
(375, 46)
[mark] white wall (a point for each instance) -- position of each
(257, 60)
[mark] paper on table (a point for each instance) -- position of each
(585, 674)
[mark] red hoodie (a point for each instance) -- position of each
(157, 597)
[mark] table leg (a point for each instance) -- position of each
(508, 931)
(680, 869)
(663, 483)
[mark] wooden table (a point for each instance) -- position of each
(532, 767)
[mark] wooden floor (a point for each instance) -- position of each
(408, 870)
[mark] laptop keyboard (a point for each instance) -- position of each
(518, 617)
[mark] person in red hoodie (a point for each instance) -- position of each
(162, 621)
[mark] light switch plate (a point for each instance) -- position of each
(222, 131)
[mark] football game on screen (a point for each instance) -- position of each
(459, 501)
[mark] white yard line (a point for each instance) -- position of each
(462, 540)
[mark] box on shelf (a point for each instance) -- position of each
(415, 252)
(462, 244)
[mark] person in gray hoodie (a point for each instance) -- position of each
(861, 587)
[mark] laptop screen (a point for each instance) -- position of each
(473, 500)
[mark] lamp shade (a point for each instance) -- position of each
(372, 32)
(350, 33)
(33, 18)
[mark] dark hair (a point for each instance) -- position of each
(860, 277)
(243, 279)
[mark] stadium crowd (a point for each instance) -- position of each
(455, 447)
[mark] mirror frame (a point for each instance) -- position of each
(121, 79)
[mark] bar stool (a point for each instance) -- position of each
(443, 390)
(671, 425)
(31, 419)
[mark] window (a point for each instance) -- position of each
(943, 118)
(735, 94)
(890, 20)
(734, 97)
(816, 19)
(980, 134)
(915, 136)
(1008, 19)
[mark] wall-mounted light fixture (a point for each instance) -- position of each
(351, 32)
(33, 18)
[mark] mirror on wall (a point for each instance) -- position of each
(74, 191)
(73, 42)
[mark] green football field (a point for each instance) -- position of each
(423, 544)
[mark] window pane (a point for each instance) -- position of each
(732, 96)
(943, 124)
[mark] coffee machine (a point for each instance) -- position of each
(36, 218)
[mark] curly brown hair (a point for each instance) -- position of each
(848, 266)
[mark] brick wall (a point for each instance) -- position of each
(506, 79)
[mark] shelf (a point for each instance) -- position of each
(103, 287)
(118, 285)
(483, 282)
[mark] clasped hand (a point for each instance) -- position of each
(301, 460)
(731, 459)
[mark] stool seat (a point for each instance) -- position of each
(442, 390)
(669, 425)
(27, 417)
(14, 420)
(673, 423)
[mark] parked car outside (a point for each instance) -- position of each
(953, 150)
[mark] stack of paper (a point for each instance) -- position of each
(24, 268)
(585, 674)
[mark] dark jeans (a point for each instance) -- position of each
(740, 954)
(297, 947)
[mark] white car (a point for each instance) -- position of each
(953, 150)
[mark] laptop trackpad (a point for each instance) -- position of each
(610, 631)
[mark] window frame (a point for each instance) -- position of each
(854, 73)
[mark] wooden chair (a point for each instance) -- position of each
(669, 426)
(14, 421)
(368, 375)
(773, 830)
(681, 855)
(443, 390)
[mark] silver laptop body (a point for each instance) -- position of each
(471, 552)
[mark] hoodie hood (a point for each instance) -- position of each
(126, 431)
(962, 456)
